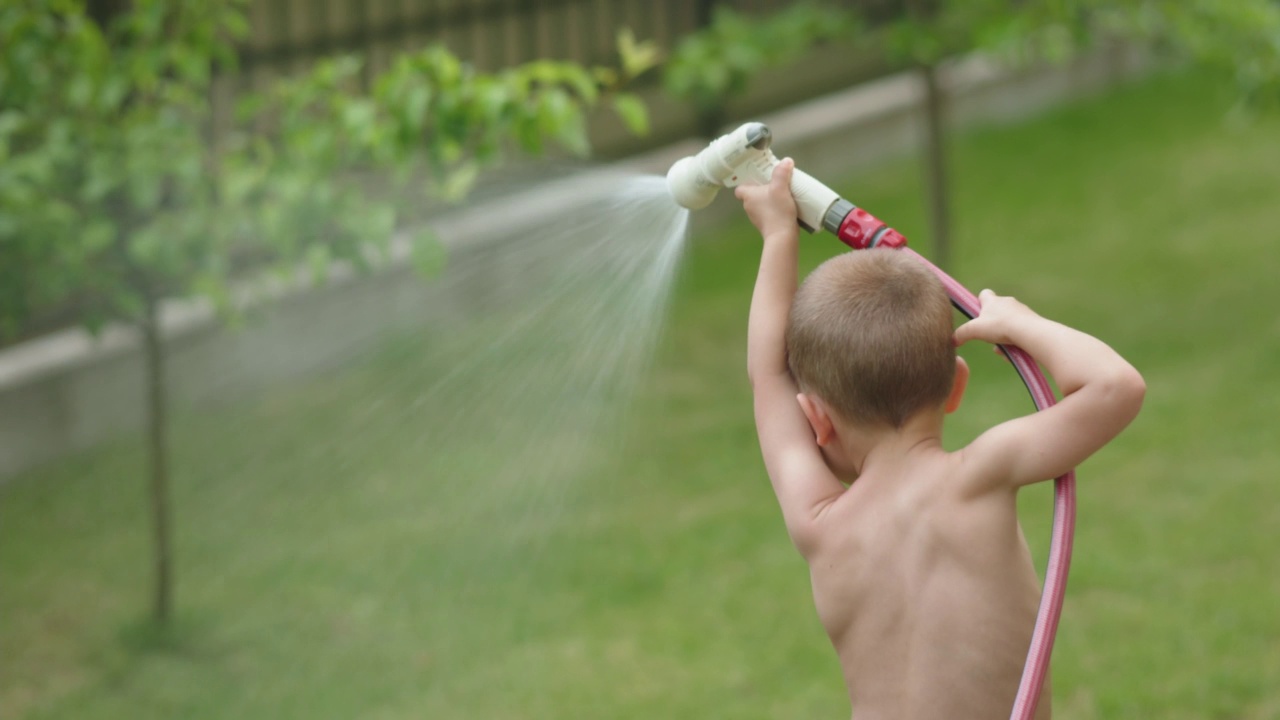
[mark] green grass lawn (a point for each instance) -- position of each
(331, 564)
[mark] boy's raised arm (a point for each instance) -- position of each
(801, 479)
(1102, 394)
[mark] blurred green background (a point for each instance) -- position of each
(669, 587)
(323, 574)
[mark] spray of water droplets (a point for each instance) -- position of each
(534, 386)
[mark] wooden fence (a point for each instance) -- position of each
(490, 34)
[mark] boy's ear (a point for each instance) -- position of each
(824, 431)
(958, 385)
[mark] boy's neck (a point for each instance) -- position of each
(882, 449)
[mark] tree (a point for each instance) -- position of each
(923, 36)
(1240, 36)
(116, 192)
(712, 66)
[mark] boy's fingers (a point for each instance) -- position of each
(975, 329)
(740, 192)
(782, 172)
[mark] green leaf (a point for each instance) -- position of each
(416, 101)
(633, 112)
(444, 66)
(115, 88)
(491, 102)
(428, 255)
(10, 122)
(358, 116)
(528, 135)
(573, 134)
(554, 107)
(636, 57)
(607, 77)
(80, 91)
(458, 184)
(97, 235)
(382, 221)
(318, 259)
(451, 151)
(236, 24)
(213, 286)
(146, 248)
(582, 82)
(144, 190)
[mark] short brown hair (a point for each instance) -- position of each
(870, 333)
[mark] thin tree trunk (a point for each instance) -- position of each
(158, 450)
(935, 170)
(710, 115)
(104, 12)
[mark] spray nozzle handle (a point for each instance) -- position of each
(813, 199)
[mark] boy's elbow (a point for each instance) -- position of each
(1127, 389)
(1134, 386)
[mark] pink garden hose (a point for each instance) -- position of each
(1064, 516)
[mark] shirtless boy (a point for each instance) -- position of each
(921, 575)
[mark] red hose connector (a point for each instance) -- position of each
(861, 230)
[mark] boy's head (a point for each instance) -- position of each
(870, 333)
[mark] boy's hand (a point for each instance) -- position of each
(997, 317)
(771, 207)
(1101, 394)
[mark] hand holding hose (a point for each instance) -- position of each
(771, 207)
(996, 322)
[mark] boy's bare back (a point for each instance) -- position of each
(927, 592)
(920, 572)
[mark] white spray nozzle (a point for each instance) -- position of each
(694, 180)
(743, 157)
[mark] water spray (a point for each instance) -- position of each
(744, 157)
